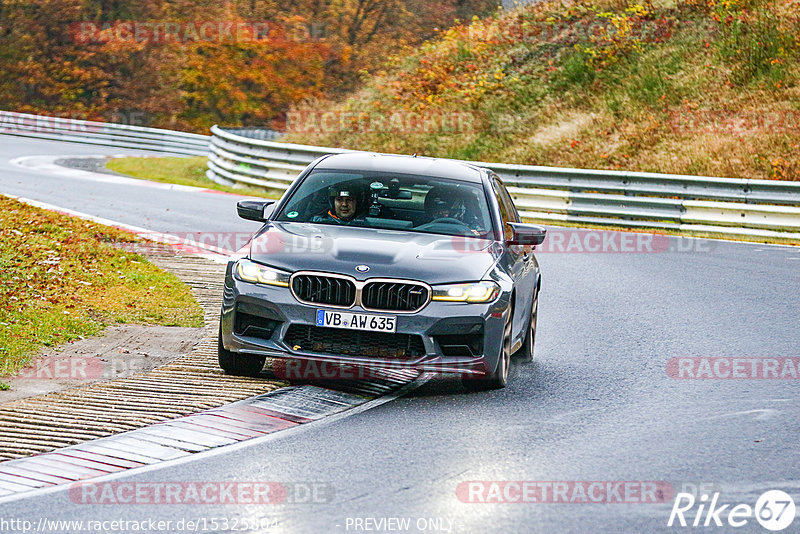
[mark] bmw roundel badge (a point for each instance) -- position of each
(362, 268)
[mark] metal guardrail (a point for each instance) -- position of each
(255, 133)
(690, 204)
(103, 133)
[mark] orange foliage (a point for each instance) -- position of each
(52, 64)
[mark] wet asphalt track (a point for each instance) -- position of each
(596, 405)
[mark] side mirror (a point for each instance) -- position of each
(527, 234)
(255, 210)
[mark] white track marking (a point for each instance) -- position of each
(210, 252)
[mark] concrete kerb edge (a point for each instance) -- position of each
(224, 449)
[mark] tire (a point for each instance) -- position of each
(498, 379)
(238, 364)
(525, 352)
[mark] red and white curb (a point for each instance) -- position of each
(214, 431)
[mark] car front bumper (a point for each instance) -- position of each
(438, 324)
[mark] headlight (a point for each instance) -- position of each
(485, 291)
(249, 271)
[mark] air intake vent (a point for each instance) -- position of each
(461, 344)
(354, 342)
(246, 324)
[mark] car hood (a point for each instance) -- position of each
(430, 258)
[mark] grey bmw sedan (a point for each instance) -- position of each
(386, 261)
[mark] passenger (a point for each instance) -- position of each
(444, 202)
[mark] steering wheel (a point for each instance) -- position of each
(445, 220)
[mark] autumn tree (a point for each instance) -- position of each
(50, 65)
(363, 33)
(248, 83)
(47, 68)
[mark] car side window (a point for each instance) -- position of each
(507, 210)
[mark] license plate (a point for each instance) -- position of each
(357, 321)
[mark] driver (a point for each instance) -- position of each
(343, 203)
(444, 202)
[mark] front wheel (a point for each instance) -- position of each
(238, 364)
(498, 379)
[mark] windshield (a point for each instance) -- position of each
(390, 201)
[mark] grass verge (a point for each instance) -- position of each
(62, 278)
(181, 171)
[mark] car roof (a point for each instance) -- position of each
(433, 167)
